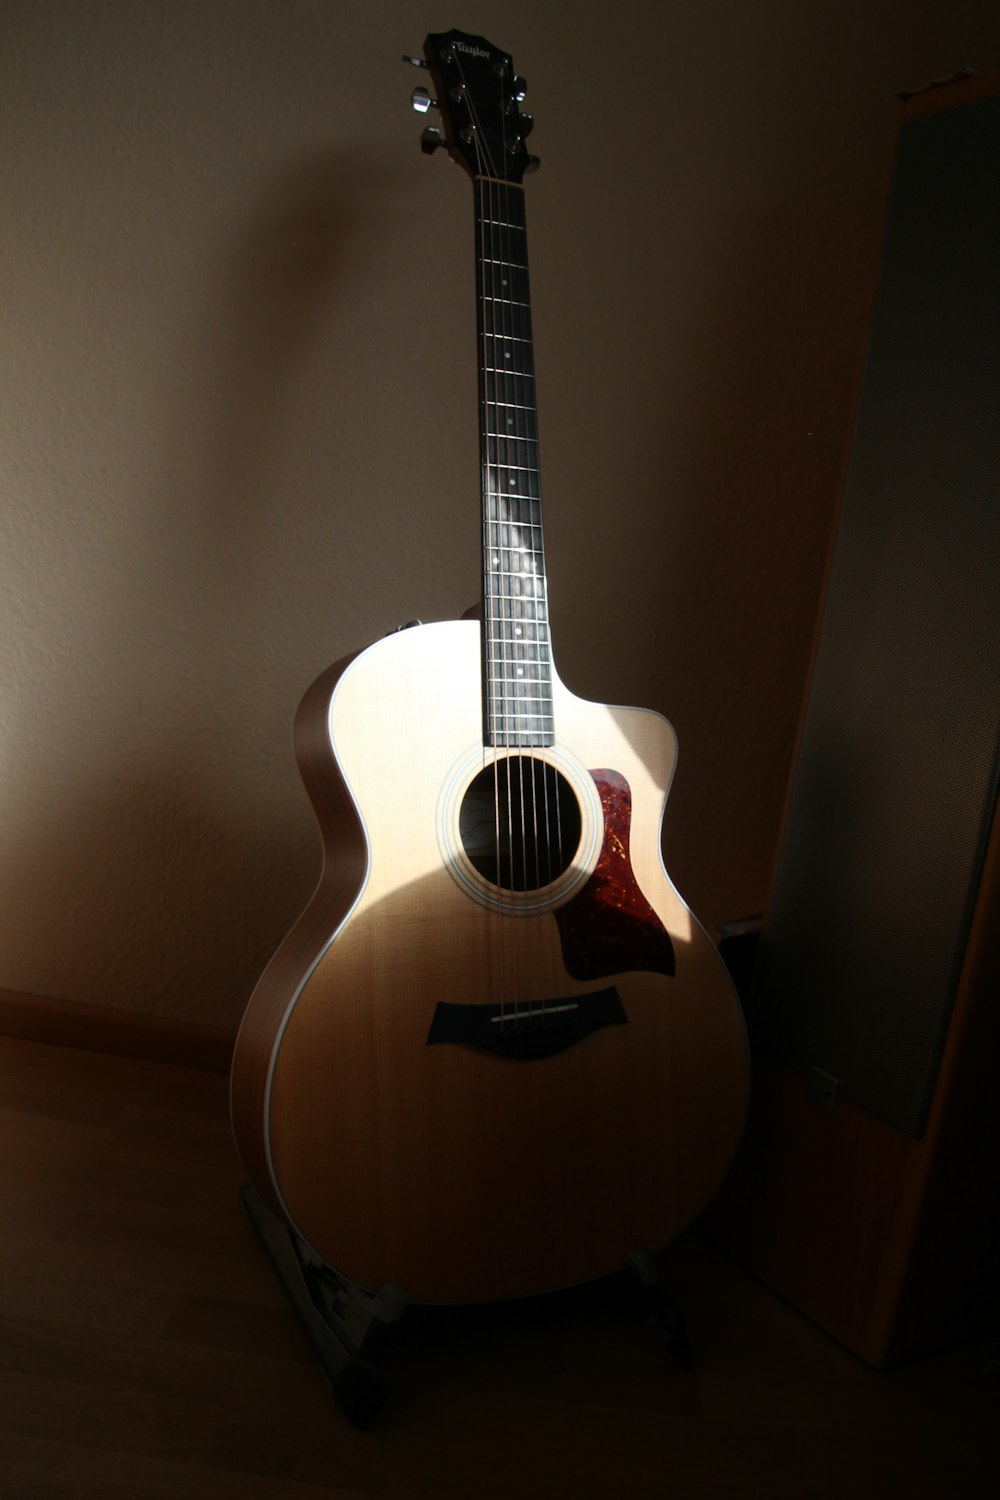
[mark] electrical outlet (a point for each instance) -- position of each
(822, 1088)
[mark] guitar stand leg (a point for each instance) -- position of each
(348, 1327)
(666, 1322)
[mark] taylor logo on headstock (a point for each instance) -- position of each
(472, 51)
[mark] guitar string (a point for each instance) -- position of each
(500, 309)
(512, 714)
(505, 387)
(516, 586)
(534, 576)
(494, 574)
(524, 537)
(519, 602)
(501, 312)
(522, 575)
(497, 571)
(531, 578)
(538, 651)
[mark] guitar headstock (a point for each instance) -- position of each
(478, 94)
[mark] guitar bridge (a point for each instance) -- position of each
(527, 1030)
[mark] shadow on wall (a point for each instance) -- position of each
(147, 881)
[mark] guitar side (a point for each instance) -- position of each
(345, 861)
(463, 1173)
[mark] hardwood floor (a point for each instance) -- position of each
(146, 1350)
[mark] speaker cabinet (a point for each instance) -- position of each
(866, 1190)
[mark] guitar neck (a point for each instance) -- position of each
(517, 664)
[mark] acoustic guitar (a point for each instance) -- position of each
(496, 1055)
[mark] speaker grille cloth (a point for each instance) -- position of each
(896, 784)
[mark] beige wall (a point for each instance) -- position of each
(238, 419)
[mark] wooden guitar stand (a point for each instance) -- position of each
(349, 1327)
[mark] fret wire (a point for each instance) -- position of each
(518, 621)
(525, 653)
(526, 601)
(523, 642)
(518, 728)
(500, 596)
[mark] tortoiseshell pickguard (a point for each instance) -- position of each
(609, 927)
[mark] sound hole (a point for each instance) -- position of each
(520, 823)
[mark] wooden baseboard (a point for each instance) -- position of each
(98, 1028)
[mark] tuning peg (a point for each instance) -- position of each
(430, 139)
(422, 101)
(526, 124)
(415, 62)
(532, 164)
(519, 87)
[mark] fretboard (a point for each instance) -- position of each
(517, 676)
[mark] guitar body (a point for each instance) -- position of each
(496, 1055)
(483, 1092)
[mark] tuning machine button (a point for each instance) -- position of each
(526, 124)
(519, 87)
(422, 101)
(430, 139)
(415, 62)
